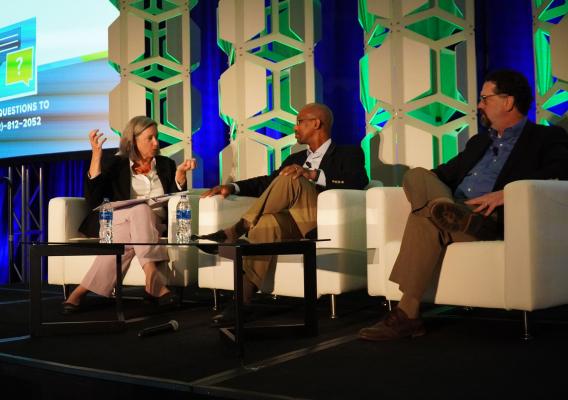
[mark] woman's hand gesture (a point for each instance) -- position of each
(96, 139)
(185, 166)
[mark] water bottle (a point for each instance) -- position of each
(105, 222)
(183, 219)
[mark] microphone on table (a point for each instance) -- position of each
(154, 330)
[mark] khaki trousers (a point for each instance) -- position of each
(285, 210)
(423, 244)
(137, 224)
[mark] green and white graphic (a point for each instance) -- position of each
(271, 76)
(18, 66)
(418, 83)
(153, 45)
(550, 28)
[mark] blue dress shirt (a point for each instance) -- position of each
(481, 179)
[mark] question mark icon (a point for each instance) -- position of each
(20, 61)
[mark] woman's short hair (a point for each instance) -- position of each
(134, 127)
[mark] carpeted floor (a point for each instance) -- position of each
(466, 354)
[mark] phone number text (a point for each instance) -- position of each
(20, 123)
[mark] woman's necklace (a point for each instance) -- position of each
(142, 168)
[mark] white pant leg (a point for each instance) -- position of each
(138, 224)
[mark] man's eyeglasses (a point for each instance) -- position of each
(299, 121)
(483, 98)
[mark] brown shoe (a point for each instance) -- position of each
(219, 236)
(455, 217)
(395, 325)
(228, 235)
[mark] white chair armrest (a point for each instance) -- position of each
(216, 212)
(536, 251)
(341, 218)
(65, 215)
(387, 212)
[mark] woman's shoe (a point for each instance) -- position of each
(70, 308)
(148, 298)
(167, 299)
(163, 300)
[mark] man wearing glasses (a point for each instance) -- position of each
(462, 200)
(287, 199)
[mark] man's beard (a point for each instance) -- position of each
(485, 121)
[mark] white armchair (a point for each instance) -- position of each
(526, 271)
(65, 215)
(341, 262)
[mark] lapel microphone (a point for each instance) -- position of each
(170, 326)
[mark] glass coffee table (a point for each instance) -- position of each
(236, 252)
(233, 251)
(38, 250)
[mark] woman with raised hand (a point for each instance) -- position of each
(136, 171)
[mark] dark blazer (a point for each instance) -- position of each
(541, 152)
(114, 183)
(343, 166)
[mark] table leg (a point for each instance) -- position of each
(310, 289)
(40, 328)
(35, 291)
(118, 289)
(236, 252)
(239, 325)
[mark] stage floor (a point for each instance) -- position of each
(467, 353)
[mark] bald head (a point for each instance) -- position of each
(321, 112)
(313, 125)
